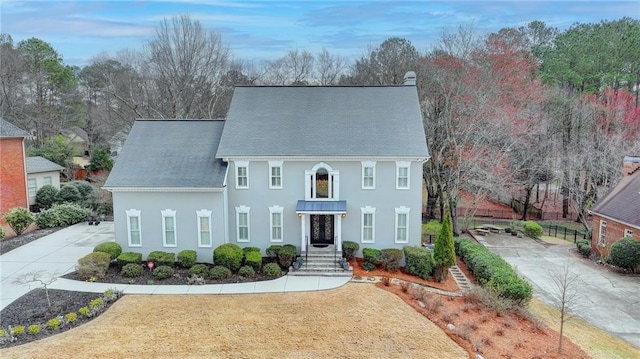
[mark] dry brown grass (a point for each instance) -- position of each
(597, 343)
(355, 321)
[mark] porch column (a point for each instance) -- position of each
(339, 232)
(303, 237)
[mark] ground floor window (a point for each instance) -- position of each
(402, 225)
(242, 220)
(368, 229)
(204, 228)
(602, 234)
(276, 223)
(133, 228)
(169, 228)
(31, 185)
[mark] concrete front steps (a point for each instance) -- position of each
(321, 262)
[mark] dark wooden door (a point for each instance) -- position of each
(322, 229)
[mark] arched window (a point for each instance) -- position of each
(321, 182)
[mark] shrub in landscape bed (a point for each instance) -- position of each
(93, 265)
(71, 317)
(17, 330)
(493, 272)
(33, 329)
(46, 196)
(444, 255)
(532, 229)
(201, 270)
(272, 270)
(349, 249)
(187, 258)
(53, 323)
(625, 253)
(113, 249)
(390, 258)
(253, 259)
(160, 258)
(247, 272)
(68, 193)
(286, 255)
(129, 257)
(132, 270)
(250, 249)
(368, 266)
(371, 255)
(584, 247)
(47, 218)
(228, 255)
(419, 261)
(272, 250)
(220, 272)
(59, 215)
(163, 272)
(18, 219)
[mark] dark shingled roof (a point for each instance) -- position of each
(37, 164)
(383, 121)
(7, 129)
(170, 153)
(623, 202)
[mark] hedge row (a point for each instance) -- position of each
(492, 271)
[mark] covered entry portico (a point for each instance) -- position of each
(321, 223)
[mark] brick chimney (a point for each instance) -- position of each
(630, 165)
(410, 78)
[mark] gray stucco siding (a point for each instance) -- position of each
(385, 198)
(150, 205)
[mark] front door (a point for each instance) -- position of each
(321, 229)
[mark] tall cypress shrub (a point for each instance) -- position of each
(444, 254)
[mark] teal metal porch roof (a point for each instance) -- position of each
(321, 206)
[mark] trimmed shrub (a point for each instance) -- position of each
(132, 270)
(272, 250)
(250, 249)
(62, 215)
(53, 323)
(272, 270)
(349, 249)
(220, 272)
(625, 253)
(187, 258)
(493, 272)
(286, 255)
(253, 259)
(368, 266)
(71, 317)
(85, 189)
(129, 257)
(228, 255)
(160, 258)
(247, 272)
(390, 258)
(163, 272)
(68, 193)
(532, 229)
(19, 219)
(419, 261)
(46, 196)
(584, 247)
(84, 311)
(200, 269)
(372, 255)
(47, 218)
(113, 249)
(93, 265)
(17, 330)
(33, 329)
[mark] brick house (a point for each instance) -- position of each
(617, 214)
(13, 174)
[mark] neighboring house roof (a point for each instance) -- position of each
(39, 164)
(7, 129)
(382, 121)
(623, 202)
(170, 154)
(76, 135)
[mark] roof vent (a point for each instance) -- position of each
(410, 78)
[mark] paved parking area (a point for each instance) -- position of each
(607, 300)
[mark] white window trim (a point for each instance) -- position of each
(310, 183)
(372, 211)
(244, 210)
(405, 211)
(204, 213)
(275, 164)
(369, 164)
(628, 232)
(44, 181)
(407, 165)
(602, 233)
(272, 210)
(238, 165)
(35, 186)
(134, 213)
(169, 213)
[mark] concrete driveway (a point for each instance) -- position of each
(607, 300)
(57, 253)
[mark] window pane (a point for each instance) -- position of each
(402, 220)
(47, 180)
(133, 223)
(204, 223)
(32, 187)
(135, 237)
(243, 219)
(168, 221)
(171, 237)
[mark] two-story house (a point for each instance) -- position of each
(308, 166)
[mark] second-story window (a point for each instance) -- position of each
(275, 174)
(242, 174)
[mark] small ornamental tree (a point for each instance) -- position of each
(46, 196)
(19, 219)
(444, 254)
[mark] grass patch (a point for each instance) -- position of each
(596, 342)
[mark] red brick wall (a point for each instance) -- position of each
(614, 232)
(13, 177)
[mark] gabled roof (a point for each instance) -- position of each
(170, 154)
(382, 121)
(7, 129)
(623, 202)
(37, 164)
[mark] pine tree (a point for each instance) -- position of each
(444, 254)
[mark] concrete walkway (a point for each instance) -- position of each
(59, 252)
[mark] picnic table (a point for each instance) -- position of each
(491, 227)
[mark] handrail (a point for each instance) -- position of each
(335, 253)
(306, 253)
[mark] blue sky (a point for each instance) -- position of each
(259, 30)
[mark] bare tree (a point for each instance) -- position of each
(44, 278)
(294, 68)
(565, 295)
(329, 68)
